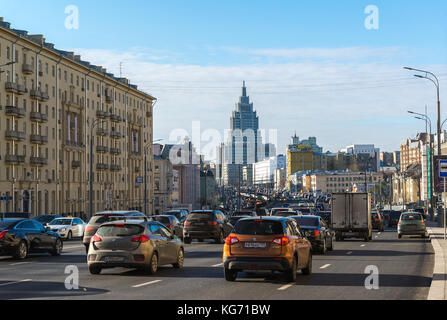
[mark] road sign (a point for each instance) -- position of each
(443, 168)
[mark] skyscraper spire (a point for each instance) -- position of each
(244, 89)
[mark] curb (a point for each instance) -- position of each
(439, 280)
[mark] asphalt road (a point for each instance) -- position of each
(405, 269)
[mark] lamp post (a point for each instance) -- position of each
(145, 172)
(92, 173)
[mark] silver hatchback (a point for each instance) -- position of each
(411, 224)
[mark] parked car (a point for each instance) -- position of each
(18, 237)
(103, 217)
(320, 235)
(172, 223)
(267, 243)
(206, 224)
(138, 244)
(181, 214)
(68, 228)
(46, 219)
(411, 223)
(378, 222)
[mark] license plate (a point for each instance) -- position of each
(255, 244)
(114, 259)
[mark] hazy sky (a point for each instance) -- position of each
(310, 66)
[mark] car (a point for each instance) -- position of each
(103, 217)
(244, 213)
(173, 224)
(68, 228)
(393, 218)
(139, 244)
(206, 224)
(262, 212)
(267, 243)
(235, 219)
(181, 214)
(325, 215)
(16, 215)
(317, 232)
(378, 222)
(46, 219)
(289, 213)
(18, 237)
(411, 223)
(275, 211)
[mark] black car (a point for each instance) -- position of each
(235, 219)
(172, 223)
(393, 218)
(18, 237)
(46, 219)
(181, 214)
(317, 232)
(262, 212)
(206, 224)
(378, 222)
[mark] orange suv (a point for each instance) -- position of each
(267, 243)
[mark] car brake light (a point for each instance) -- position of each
(281, 241)
(3, 233)
(377, 220)
(89, 229)
(212, 223)
(141, 239)
(231, 240)
(423, 223)
(316, 233)
(399, 223)
(170, 226)
(95, 238)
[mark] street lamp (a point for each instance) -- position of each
(145, 172)
(92, 174)
(431, 77)
(6, 64)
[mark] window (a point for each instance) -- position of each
(26, 225)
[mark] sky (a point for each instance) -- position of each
(311, 67)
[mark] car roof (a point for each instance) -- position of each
(118, 212)
(269, 218)
(139, 222)
(164, 216)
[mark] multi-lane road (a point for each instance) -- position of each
(405, 270)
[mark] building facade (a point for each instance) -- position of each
(53, 103)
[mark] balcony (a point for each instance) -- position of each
(36, 94)
(14, 159)
(115, 151)
(69, 143)
(38, 117)
(148, 114)
(14, 135)
(102, 114)
(38, 139)
(45, 96)
(27, 68)
(21, 89)
(115, 167)
(75, 164)
(116, 135)
(102, 132)
(135, 154)
(102, 149)
(109, 99)
(14, 111)
(11, 87)
(38, 161)
(115, 118)
(102, 166)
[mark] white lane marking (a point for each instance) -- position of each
(218, 265)
(379, 232)
(325, 266)
(15, 282)
(363, 245)
(146, 284)
(18, 263)
(350, 252)
(287, 286)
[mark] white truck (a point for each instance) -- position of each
(351, 216)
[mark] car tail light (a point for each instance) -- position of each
(212, 223)
(377, 220)
(187, 223)
(281, 241)
(231, 240)
(399, 223)
(3, 233)
(89, 229)
(316, 233)
(423, 223)
(141, 239)
(95, 238)
(170, 226)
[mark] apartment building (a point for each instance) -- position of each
(52, 105)
(335, 181)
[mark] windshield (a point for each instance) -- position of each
(45, 219)
(253, 227)
(61, 222)
(163, 220)
(124, 230)
(200, 216)
(411, 216)
(307, 221)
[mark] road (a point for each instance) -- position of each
(405, 270)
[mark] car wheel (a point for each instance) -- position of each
(291, 273)
(57, 249)
(308, 270)
(22, 251)
(153, 267)
(187, 240)
(69, 236)
(399, 236)
(94, 269)
(180, 260)
(230, 275)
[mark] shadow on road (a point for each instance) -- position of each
(377, 253)
(203, 254)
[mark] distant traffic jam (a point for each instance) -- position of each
(277, 233)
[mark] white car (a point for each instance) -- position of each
(68, 228)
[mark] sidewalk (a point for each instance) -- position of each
(438, 288)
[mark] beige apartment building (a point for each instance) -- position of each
(328, 182)
(52, 103)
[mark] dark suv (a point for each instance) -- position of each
(206, 224)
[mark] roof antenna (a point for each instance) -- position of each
(121, 69)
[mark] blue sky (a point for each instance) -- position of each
(302, 60)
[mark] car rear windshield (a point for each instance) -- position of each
(45, 218)
(124, 230)
(100, 219)
(164, 220)
(201, 216)
(258, 228)
(61, 222)
(409, 216)
(307, 222)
